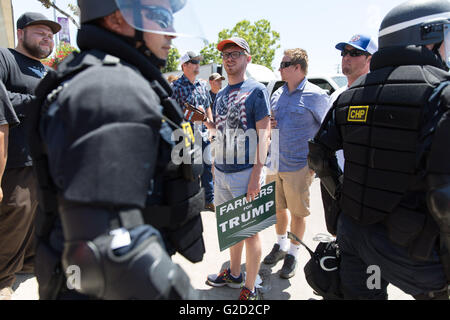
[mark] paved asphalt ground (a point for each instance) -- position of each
(272, 288)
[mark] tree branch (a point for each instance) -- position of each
(48, 4)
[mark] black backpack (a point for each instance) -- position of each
(322, 270)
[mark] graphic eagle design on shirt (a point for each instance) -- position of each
(231, 113)
(231, 119)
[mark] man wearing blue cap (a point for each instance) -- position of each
(394, 194)
(356, 56)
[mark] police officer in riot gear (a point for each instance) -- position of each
(102, 141)
(393, 125)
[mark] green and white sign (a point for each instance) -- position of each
(239, 219)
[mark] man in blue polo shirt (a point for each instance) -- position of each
(298, 109)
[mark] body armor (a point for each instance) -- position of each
(379, 122)
(138, 140)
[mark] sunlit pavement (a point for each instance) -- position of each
(272, 287)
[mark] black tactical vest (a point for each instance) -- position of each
(381, 119)
(174, 198)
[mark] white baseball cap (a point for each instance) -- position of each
(190, 56)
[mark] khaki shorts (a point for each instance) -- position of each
(292, 190)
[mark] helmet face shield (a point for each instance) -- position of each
(447, 43)
(156, 14)
(173, 18)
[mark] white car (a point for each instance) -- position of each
(329, 83)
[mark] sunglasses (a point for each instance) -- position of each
(354, 53)
(160, 15)
(286, 64)
(234, 55)
(194, 61)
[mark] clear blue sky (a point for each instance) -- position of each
(315, 26)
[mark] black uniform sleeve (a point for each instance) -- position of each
(439, 156)
(438, 179)
(322, 152)
(7, 113)
(329, 135)
(322, 159)
(438, 167)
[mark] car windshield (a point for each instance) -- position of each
(340, 80)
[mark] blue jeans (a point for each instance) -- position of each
(364, 246)
(207, 177)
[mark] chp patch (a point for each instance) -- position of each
(358, 113)
(189, 138)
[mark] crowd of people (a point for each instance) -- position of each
(88, 177)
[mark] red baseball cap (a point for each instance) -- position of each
(235, 40)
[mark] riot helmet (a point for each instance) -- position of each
(151, 15)
(164, 17)
(92, 10)
(417, 22)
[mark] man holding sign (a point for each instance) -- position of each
(242, 126)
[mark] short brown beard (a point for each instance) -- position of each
(34, 50)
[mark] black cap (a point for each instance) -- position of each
(35, 18)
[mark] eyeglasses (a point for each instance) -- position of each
(234, 55)
(160, 15)
(286, 64)
(354, 53)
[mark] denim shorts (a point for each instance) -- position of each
(228, 186)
